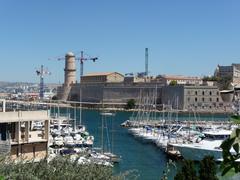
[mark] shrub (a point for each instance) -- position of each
(173, 83)
(58, 168)
(131, 104)
(207, 169)
(188, 171)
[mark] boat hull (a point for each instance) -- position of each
(197, 154)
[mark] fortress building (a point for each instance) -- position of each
(114, 88)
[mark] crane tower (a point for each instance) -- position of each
(82, 59)
(41, 73)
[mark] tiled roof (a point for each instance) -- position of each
(100, 74)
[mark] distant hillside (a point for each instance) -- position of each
(10, 84)
(14, 84)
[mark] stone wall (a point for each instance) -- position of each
(173, 96)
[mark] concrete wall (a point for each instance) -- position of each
(23, 116)
(29, 151)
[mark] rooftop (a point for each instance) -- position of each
(21, 116)
(101, 74)
(179, 77)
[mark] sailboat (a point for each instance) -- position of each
(107, 118)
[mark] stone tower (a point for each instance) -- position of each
(70, 69)
(69, 76)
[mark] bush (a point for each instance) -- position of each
(58, 168)
(207, 169)
(188, 171)
(173, 83)
(131, 103)
(230, 159)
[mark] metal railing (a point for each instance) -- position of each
(5, 147)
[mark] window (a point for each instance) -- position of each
(217, 93)
(210, 99)
(210, 93)
(202, 99)
(195, 92)
(203, 93)
(188, 99)
(217, 99)
(195, 99)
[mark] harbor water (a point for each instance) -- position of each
(145, 159)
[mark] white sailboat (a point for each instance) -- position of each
(105, 117)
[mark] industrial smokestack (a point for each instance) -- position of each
(146, 61)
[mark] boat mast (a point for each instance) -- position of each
(75, 117)
(102, 130)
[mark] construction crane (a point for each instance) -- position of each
(82, 59)
(129, 74)
(41, 73)
(138, 74)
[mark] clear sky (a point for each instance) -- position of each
(186, 37)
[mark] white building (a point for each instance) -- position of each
(183, 80)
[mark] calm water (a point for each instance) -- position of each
(146, 159)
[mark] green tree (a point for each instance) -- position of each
(224, 82)
(229, 158)
(208, 169)
(188, 171)
(131, 104)
(209, 78)
(173, 83)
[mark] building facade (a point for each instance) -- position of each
(184, 80)
(19, 139)
(232, 71)
(103, 77)
(199, 98)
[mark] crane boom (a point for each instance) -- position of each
(82, 59)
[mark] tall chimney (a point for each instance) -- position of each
(146, 61)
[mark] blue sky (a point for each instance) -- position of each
(186, 37)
